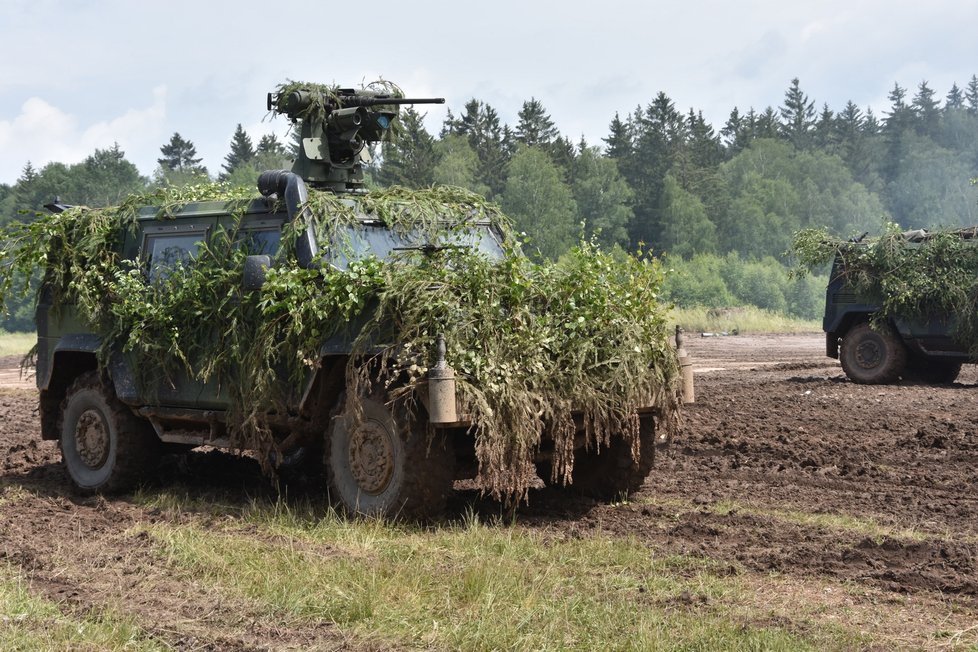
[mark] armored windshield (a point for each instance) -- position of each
(356, 242)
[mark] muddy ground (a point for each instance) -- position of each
(858, 500)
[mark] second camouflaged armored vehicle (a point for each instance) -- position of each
(880, 344)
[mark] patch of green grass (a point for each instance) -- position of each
(469, 585)
(30, 623)
(16, 343)
(859, 525)
(742, 320)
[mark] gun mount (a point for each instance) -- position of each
(335, 125)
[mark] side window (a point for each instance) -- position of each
(167, 250)
(261, 241)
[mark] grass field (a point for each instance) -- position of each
(16, 343)
(28, 622)
(740, 320)
(470, 586)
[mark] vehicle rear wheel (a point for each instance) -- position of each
(387, 465)
(104, 446)
(872, 355)
(611, 473)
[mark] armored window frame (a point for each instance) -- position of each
(180, 235)
(261, 227)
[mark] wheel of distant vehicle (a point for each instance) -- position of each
(104, 446)
(872, 355)
(929, 370)
(611, 473)
(385, 464)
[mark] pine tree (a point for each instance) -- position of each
(535, 127)
(899, 123)
(241, 152)
(270, 154)
(797, 116)
(766, 125)
(180, 155)
(510, 144)
(659, 140)
(457, 163)
(849, 122)
(448, 125)
(563, 154)
(294, 145)
(736, 132)
(619, 144)
(487, 138)
(466, 123)
(926, 111)
(825, 135)
(954, 99)
(270, 144)
(871, 126)
(480, 125)
(410, 161)
(28, 175)
(687, 230)
(972, 95)
(704, 145)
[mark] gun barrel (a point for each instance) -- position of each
(378, 101)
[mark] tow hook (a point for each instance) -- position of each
(441, 389)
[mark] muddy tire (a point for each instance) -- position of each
(105, 448)
(385, 466)
(872, 356)
(611, 473)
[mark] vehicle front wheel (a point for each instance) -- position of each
(104, 446)
(872, 355)
(387, 465)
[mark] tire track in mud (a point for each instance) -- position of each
(813, 475)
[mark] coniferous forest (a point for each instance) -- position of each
(721, 202)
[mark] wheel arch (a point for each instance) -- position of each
(843, 325)
(67, 363)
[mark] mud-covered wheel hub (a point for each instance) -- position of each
(92, 439)
(372, 456)
(385, 463)
(869, 354)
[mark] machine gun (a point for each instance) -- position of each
(335, 124)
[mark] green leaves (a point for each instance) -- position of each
(537, 347)
(935, 277)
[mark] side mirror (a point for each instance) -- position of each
(255, 268)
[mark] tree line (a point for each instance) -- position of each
(661, 178)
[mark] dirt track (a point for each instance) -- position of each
(782, 467)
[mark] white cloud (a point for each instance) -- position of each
(584, 64)
(42, 133)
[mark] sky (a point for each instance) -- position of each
(76, 75)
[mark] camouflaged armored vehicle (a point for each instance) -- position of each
(271, 324)
(877, 351)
